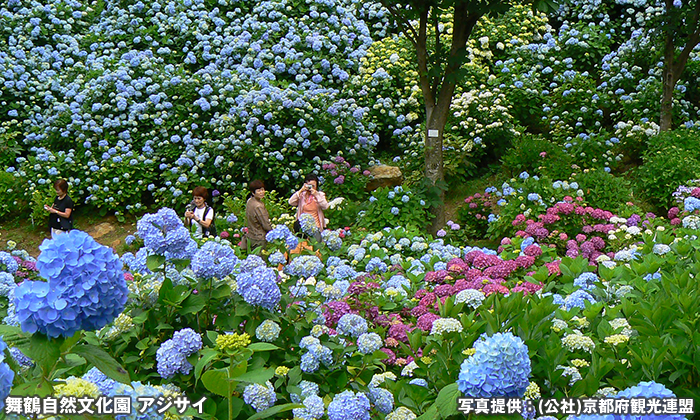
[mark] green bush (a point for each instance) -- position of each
(672, 159)
(604, 190)
(526, 155)
(393, 207)
(14, 202)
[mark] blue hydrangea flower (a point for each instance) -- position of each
(332, 239)
(6, 378)
(135, 391)
(7, 283)
(259, 287)
(500, 367)
(172, 355)
(349, 406)
(586, 281)
(129, 239)
(163, 232)
(375, 264)
(304, 266)
(314, 408)
(260, 397)
(85, 287)
(308, 225)
(7, 263)
(282, 232)
(277, 258)
(352, 325)
(577, 299)
(419, 382)
(368, 343)
(647, 390)
(214, 260)
(251, 263)
(104, 383)
(382, 399)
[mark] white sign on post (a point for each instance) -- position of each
(433, 133)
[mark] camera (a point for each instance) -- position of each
(308, 186)
(190, 207)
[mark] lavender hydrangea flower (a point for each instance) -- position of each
(382, 399)
(85, 287)
(500, 367)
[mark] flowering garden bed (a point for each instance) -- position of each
(389, 324)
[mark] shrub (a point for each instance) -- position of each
(671, 159)
(536, 155)
(604, 190)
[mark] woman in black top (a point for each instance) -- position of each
(61, 212)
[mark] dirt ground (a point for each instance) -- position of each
(106, 230)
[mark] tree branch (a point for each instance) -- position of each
(422, 55)
(438, 51)
(691, 43)
(406, 27)
(463, 23)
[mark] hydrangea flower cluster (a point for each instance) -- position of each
(308, 225)
(282, 232)
(499, 367)
(349, 406)
(268, 331)
(352, 325)
(163, 233)
(6, 375)
(172, 355)
(332, 239)
(304, 266)
(368, 343)
(259, 287)
(85, 287)
(260, 397)
(214, 260)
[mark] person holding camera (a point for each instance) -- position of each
(311, 201)
(199, 212)
(61, 218)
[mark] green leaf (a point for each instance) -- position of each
(216, 381)
(103, 361)
(44, 351)
(274, 410)
(446, 401)
(258, 376)
(262, 347)
(155, 262)
(40, 388)
(432, 413)
(192, 305)
(207, 356)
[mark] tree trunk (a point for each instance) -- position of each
(668, 84)
(434, 167)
